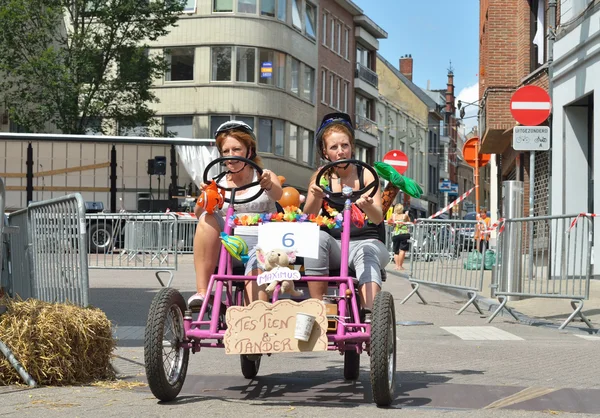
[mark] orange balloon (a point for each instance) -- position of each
(281, 179)
(290, 197)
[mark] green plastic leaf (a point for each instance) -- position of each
(406, 184)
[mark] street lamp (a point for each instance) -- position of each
(461, 109)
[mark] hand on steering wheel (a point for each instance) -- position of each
(251, 163)
(358, 196)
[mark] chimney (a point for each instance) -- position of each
(450, 107)
(406, 66)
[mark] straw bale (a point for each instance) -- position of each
(58, 344)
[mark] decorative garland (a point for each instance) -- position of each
(290, 214)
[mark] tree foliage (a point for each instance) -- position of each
(69, 62)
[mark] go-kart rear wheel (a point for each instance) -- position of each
(351, 365)
(249, 367)
(383, 349)
(165, 360)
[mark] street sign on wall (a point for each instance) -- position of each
(531, 138)
(469, 151)
(530, 105)
(396, 159)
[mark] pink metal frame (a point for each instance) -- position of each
(343, 338)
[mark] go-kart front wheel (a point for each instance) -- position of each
(250, 366)
(351, 365)
(165, 360)
(383, 349)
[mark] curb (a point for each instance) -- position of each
(490, 305)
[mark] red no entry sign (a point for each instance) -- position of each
(396, 159)
(530, 105)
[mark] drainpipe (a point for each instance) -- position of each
(551, 38)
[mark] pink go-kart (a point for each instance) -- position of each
(172, 330)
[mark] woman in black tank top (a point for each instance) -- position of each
(368, 255)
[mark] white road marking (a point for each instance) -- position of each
(588, 337)
(481, 333)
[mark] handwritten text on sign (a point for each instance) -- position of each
(262, 327)
(302, 237)
(278, 274)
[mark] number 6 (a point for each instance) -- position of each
(286, 241)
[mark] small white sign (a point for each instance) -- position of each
(303, 237)
(278, 274)
(531, 138)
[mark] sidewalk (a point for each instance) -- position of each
(533, 311)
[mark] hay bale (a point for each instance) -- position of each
(58, 344)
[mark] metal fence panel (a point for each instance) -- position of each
(443, 254)
(58, 239)
(18, 255)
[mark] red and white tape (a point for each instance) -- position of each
(451, 205)
(182, 214)
(494, 226)
(582, 214)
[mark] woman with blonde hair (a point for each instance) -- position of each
(400, 235)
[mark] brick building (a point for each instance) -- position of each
(512, 53)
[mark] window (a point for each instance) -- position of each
(221, 6)
(136, 130)
(93, 126)
(267, 8)
(281, 10)
(310, 11)
(307, 147)
(265, 57)
(323, 85)
(295, 75)
(265, 135)
(339, 93)
(190, 6)
(308, 83)
(93, 73)
(362, 109)
(363, 56)
(332, 32)
(293, 154)
(246, 6)
(181, 64)
(133, 65)
(324, 29)
(338, 48)
(360, 153)
(279, 126)
(246, 63)
(345, 110)
(221, 63)
(179, 126)
(331, 90)
(347, 42)
(280, 69)
(296, 19)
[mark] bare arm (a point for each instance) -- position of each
(314, 197)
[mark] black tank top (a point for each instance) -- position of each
(368, 231)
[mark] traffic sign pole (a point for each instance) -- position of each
(476, 178)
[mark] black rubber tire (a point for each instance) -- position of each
(168, 301)
(383, 349)
(250, 368)
(97, 229)
(351, 365)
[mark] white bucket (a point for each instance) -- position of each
(304, 326)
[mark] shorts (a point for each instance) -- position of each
(251, 241)
(400, 243)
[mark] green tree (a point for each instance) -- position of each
(71, 62)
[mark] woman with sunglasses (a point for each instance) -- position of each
(234, 138)
(368, 254)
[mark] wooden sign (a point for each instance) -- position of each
(263, 327)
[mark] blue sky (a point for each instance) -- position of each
(433, 32)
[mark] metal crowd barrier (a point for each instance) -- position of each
(441, 256)
(18, 255)
(547, 257)
(58, 247)
(134, 241)
(186, 229)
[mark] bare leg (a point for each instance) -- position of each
(254, 291)
(317, 289)
(367, 292)
(400, 262)
(205, 251)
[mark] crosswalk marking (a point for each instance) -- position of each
(588, 337)
(481, 333)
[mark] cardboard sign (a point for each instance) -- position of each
(303, 237)
(263, 327)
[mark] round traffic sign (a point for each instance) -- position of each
(530, 105)
(469, 151)
(396, 159)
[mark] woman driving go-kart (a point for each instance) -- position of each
(338, 236)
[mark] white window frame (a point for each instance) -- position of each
(323, 86)
(331, 80)
(345, 97)
(232, 7)
(295, 142)
(347, 45)
(339, 92)
(324, 29)
(339, 39)
(296, 8)
(298, 76)
(190, 9)
(332, 34)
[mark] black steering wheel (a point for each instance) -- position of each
(234, 189)
(338, 198)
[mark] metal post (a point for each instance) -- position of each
(531, 212)
(29, 164)
(512, 198)
(113, 179)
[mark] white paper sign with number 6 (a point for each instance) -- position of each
(302, 237)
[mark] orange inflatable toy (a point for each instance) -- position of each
(290, 197)
(210, 199)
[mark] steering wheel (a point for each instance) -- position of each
(230, 189)
(338, 198)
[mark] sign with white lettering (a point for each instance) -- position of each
(263, 327)
(531, 138)
(300, 236)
